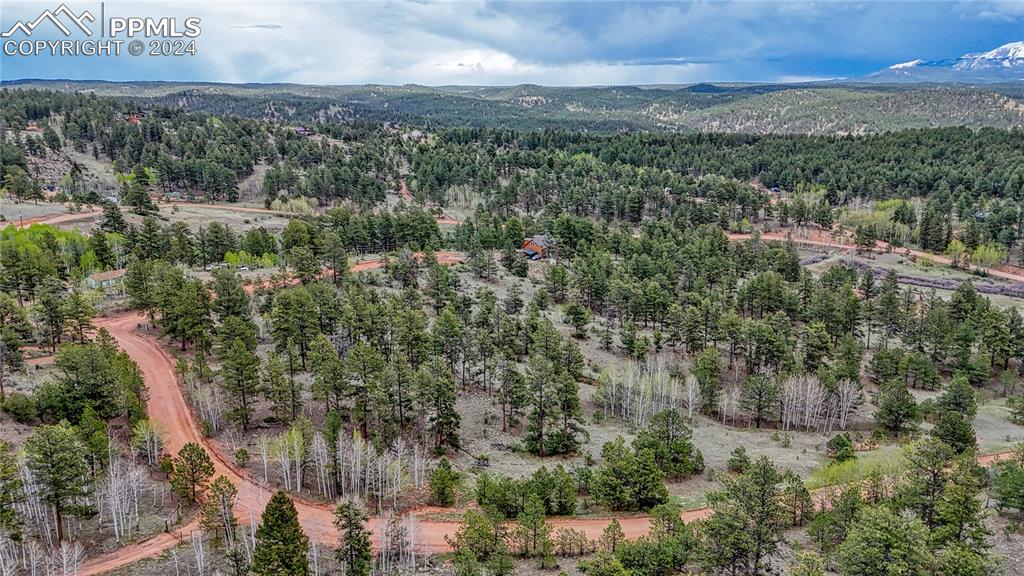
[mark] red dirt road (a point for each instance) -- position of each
(58, 218)
(405, 193)
(168, 407)
(442, 220)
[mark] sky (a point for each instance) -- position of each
(476, 42)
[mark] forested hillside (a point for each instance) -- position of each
(290, 347)
(821, 108)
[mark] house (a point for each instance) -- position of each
(303, 131)
(537, 246)
(103, 280)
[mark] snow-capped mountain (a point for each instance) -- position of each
(1004, 64)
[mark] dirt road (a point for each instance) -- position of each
(442, 219)
(880, 246)
(168, 407)
(228, 207)
(57, 218)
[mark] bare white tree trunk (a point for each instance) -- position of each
(691, 395)
(263, 444)
(69, 557)
(8, 556)
(321, 463)
(849, 395)
(198, 552)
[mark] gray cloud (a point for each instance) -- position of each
(258, 27)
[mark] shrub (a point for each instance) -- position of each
(840, 448)
(22, 408)
(556, 488)
(242, 457)
(442, 481)
(738, 460)
(1016, 406)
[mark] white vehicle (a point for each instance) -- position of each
(243, 269)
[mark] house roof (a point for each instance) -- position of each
(108, 275)
(542, 240)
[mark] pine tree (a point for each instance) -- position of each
(283, 392)
(50, 309)
(354, 549)
(330, 383)
(543, 417)
(217, 515)
(11, 492)
(759, 396)
(232, 299)
(281, 545)
(304, 263)
(926, 478)
(437, 388)
(958, 397)
(193, 468)
(669, 439)
(708, 371)
(882, 543)
(112, 220)
(78, 313)
(531, 526)
(745, 529)
(897, 410)
(100, 247)
(188, 316)
(293, 321)
(513, 395)
(956, 431)
(335, 255)
(57, 460)
(959, 516)
(241, 381)
(364, 365)
(443, 480)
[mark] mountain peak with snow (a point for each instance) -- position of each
(1002, 64)
(910, 64)
(1013, 50)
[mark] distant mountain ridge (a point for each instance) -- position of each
(1003, 64)
(810, 108)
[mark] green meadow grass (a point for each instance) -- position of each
(887, 460)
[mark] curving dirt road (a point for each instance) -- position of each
(168, 406)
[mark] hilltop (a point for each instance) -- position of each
(817, 108)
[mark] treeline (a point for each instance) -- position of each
(900, 164)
